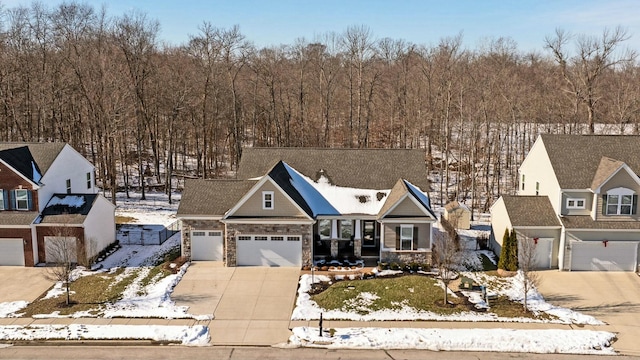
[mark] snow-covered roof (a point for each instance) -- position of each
(70, 201)
(327, 199)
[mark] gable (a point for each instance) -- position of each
(44, 154)
(406, 208)
(620, 178)
(251, 205)
(21, 161)
(11, 179)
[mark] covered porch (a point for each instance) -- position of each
(347, 239)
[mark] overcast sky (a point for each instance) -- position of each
(275, 22)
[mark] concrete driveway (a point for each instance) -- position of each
(22, 283)
(612, 297)
(251, 305)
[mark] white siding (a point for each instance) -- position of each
(537, 168)
(499, 222)
(68, 165)
(100, 226)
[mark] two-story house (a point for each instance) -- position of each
(291, 206)
(578, 200)
(48, 192)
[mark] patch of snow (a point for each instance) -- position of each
(10, 309)
(545, 341)
(186, 335)
(68, 200)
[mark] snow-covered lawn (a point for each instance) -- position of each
(494, 340)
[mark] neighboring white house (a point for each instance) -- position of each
(47, 191)
(578, 200)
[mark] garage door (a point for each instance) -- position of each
(542, 255)
(206, 245)
(60, 249)
(269, 250)
(11, 252)
(595, 256)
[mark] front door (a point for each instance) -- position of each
(370, 238)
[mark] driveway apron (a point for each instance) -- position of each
(611, 297)
(23, 283)
(251, 305)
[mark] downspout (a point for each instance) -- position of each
(563, 237)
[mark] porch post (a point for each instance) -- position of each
(357, 240)
(357, 233)
(334, 238)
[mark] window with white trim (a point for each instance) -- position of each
(260, 238)
(198, 233)
(522, 181)
(324, 229)
(406, 237)
(22, 200)
(277, 238)
(244, 238)
(89, 183)
(68, 186)
(267, 200)
(575, 203)
(293, 238)
(620, 201)
(346, 229)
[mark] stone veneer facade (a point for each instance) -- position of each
(234, 230)
(406, 257)
(189, 225)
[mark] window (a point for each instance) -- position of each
(620, 201)
(267, 200)
(406, 237)
(346, 229)
(198, 233)
(537, 188)
(215, 233)
(260, 238)
(277, 238)
(68, 186)
(22, 199)
(89, 180)
(522, 181)
(324, 229)
(368, 233)
(293, 238)
(244, 238)
(575, 203)
(2, 200)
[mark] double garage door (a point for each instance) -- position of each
(595, 256)
(269, 250)
(11, 252)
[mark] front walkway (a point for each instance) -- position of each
(251, 305)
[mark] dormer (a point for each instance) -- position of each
(616, 188)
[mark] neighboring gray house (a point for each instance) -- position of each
(290, 206)
(578, 199)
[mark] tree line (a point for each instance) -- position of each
(140, 108)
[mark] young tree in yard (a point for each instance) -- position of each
(447, 258)
(527, 262)
(61, 256)
(504, 252)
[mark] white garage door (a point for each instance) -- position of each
(11, 252)
(269, 250)
(542, 255)
(206, 245)
(60, 249)
(594, 255)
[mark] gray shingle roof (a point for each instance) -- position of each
(17, 217)
(357, 168)
(586, 222)
(530, 211)
(575, 158)
(211, 197)
(43, 153)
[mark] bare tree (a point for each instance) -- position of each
(583, 71)
(61, 256)
(447, 258)
(527, 265)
